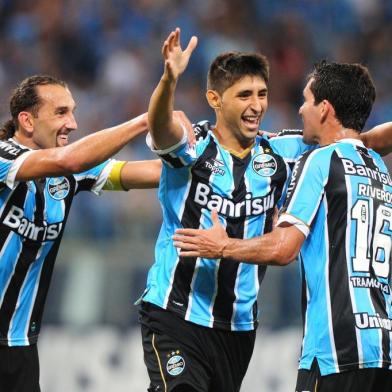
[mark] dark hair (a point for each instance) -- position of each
(25, 98)
(348, 87)
(229, 67)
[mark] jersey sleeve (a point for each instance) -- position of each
(182, 154)
(289, 144)
(12, 157)
(94, 179)
(306, 190)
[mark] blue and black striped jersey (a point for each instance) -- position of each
(33, 215)
(340, 197)
(245, 191)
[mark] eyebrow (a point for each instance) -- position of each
(263, 90)
(62, 108)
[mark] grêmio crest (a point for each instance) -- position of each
(58, 187)
(264, 165)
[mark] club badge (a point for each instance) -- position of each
(175, 364)
(58, 187)
(264, 165)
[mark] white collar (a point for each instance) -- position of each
(356, 142)
(19, 144)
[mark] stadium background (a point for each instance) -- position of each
(109, 54)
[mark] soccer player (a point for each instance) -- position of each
(37, 186)
(198, 316)
(338, 215)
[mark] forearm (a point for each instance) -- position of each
(164, 130)
(97, 147)
(82, 154)
(379, 138)
(141, 174)
(269, 249)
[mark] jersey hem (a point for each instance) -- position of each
(347, 367)
(249, 326)
(19, 342)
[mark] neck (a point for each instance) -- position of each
(230, 141)
(335, 134)
(27, 142)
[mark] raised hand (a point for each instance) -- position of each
(176, 59)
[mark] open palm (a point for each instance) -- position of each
(176, 59)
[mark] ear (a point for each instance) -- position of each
(213, 99)
(26, 121)
(326, 109)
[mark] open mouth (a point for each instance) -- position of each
(62, 139)
(251, 122)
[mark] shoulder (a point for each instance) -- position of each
(202, 129)
(290, 133)
(10, 150)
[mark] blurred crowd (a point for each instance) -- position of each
(108, 51)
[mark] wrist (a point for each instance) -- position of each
(168, 80)
(226, 247)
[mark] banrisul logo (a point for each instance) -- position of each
(175, 364)
(58, 187)
(264, 165)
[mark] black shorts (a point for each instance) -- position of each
(19, 369)
(183, 356)
(361, 380)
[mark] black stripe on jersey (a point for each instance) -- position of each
(26, 257)
(295, 174)
(227, 273)
(10, 151)
(201, 129)
(179, 295)
(172, 161)
(46, 272)
(376, 294)
(84, 185)
(290, 132)
(343, 321)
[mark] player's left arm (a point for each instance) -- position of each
(280, 247)
(379, 138)
(134, 175)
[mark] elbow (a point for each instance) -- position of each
(282, 256)
(70, 163)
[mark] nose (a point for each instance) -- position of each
(71, 122)
(300, 110)
(255, 104)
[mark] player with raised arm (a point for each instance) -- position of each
(243, 175)
(39, 176)
(338, 215)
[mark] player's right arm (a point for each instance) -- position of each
(80, 155)
(164, 129)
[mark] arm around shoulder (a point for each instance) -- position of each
(379, 138)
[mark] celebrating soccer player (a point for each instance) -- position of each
(338, 214)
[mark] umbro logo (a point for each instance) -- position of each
(215, 166)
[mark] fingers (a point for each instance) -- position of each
(215, 217)
(176, 37)
(187, 232)
(191, 45)
(168, 45)
(188, 254)
(185, 245)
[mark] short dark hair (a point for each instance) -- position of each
(348, 87)
(25, 98)
(229, 67)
